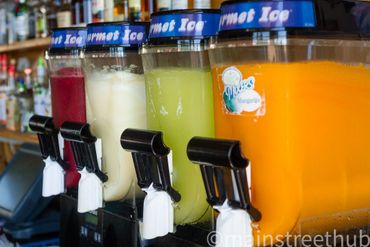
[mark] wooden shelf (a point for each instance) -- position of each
(16, 137)
(25, 45)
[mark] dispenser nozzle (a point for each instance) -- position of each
(48, 138)
(83, 147)
(224, 173)
(150, 156)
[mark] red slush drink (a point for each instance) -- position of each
(68, 104)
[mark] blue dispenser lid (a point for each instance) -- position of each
(65, 40)
(171, 26)
(323, 18)
(116, 34)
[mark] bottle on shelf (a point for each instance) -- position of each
(51, 15)
(25, 99)
(201, 4)
(11, 76)
(135, 10)
(146, 9)
(217, 3)
(87, 11)
(118, 10)
(3, 87)
(64, 14)
(3, 23)
(77, 15)
(22, 20)
(151, 7)
(3, 113)
(126, 10)
(109, 10)
(41, 94)
(3, 71)
(97, 10)
(180, 4)
(163, 5)
(11, 22)
(42, 20)
(12, 107)
(33, 7)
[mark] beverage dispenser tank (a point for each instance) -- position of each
(179, 96)
(68, 104)
(291, 82)
(67, 86)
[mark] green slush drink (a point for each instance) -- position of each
(180, 104)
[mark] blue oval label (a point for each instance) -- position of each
(267, 14)
(68, 38)
(116, 34)
(184, 25)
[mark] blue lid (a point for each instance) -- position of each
(281, 14)
(183, 24)
(319, 18)
(68, 38)
(106, 34)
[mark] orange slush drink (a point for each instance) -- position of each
(305, 127)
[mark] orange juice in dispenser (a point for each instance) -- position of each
(292, 84)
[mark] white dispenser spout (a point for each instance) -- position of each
(233, 227)
(53, 179)
(158, 218)
(90, 186)
(222, 162)
(153, 166)
(51, 147)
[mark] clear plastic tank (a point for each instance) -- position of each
(179, 96)
(294, 88)
(115, 97)
(67, 86)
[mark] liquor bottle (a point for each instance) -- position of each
(126, 10)
(217, 3)
(87, 9)
(22, 20)
(108, 10)
(12, 106)
(78, 12)
(11, 76)
(201, 4)
(25, 99)
(163, 5)
(33, 7)
(3, 71)
(41, 93)
(64, 14)
(135, 10)
(3, 23)
(180, 4)
(3, 88)
(42, 20)
(51, 15)
(118, 10)
(97, 10)
(146, 10)
(11, 22)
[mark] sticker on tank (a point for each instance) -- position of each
(239, 94)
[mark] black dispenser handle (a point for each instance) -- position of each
(83, 147)
(223, 164)
(48, 138)
(150, 156)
